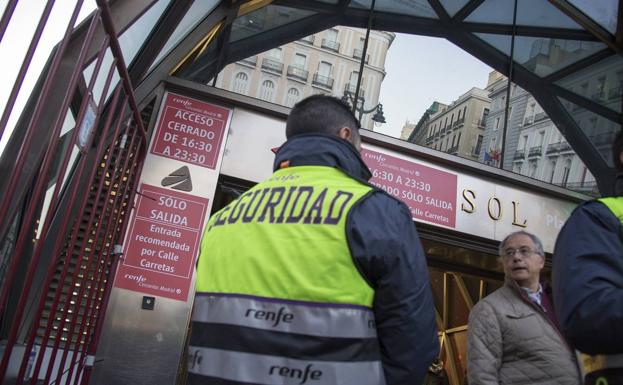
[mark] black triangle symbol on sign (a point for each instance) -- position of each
(180, 178)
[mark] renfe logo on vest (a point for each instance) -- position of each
(285, 371)
(265, 315)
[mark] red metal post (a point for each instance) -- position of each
(23, 151)
(56, 250)
(90, 258)
(6, 16)
(109, 27)
(106, 252)
(25, 64)
(41, 182)
(113, 269)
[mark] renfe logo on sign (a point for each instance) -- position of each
(190, 131)
(429, 193)
(163, 240)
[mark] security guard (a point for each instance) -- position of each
(313, 276)
(588, 282)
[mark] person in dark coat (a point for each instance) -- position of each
(337, 292)
(588, 281)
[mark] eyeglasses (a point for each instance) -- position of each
(524, 251)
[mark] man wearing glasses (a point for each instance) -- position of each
(513, 335)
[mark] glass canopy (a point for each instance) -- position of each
(557, 46)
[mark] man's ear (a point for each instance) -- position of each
(346, 133)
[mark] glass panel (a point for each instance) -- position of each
(436, 282)
(473, 287)
(601, 82)
(543, 56)
(404, 7)
(537, 13)
(133, 38)
(460, 255)
(453, 6)
(265, 19)
(100, 81)
(197, 12)
(459, 345)
(600, 131)
(603, 12)
(457, 308)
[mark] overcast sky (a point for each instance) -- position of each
(421, 70)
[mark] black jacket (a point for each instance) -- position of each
(588, 279)
(387, 251)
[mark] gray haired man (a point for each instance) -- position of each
(513, 335)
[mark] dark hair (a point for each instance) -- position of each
(617, 148)
(320, 114)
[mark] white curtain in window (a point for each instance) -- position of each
(241, 83)
(267, 91)
(292, 97)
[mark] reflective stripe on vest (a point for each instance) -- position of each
(314, 319)
(265, 369)
(593, 363)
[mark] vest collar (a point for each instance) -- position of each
(322, 150)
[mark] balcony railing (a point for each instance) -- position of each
(298, 73)
(330, 44)
(250, 61)
(458, 123)
(528, 121)
(599, 96)
(614, 93)
(437, 135)
(540, 116)
(553, 148)
(442, 132)
(308, 39)
(351, 88)
(323, 81)
(272, 65)
(603, 138)
(535, 151)
(429, 139)
(453, 150)
(519, 154)
(357, 53)
(586, 187)
(565, 146)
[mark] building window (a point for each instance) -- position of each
(332, 35)
(241, 83)
(600, 92)
(299, 60)
(532, 170)
(324, 69)
(497, 124)
(275, 53)
(292, 97)
(478, 145)
(565, 172)
(552, 170)
(267, 91)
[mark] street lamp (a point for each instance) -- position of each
(378, 116)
